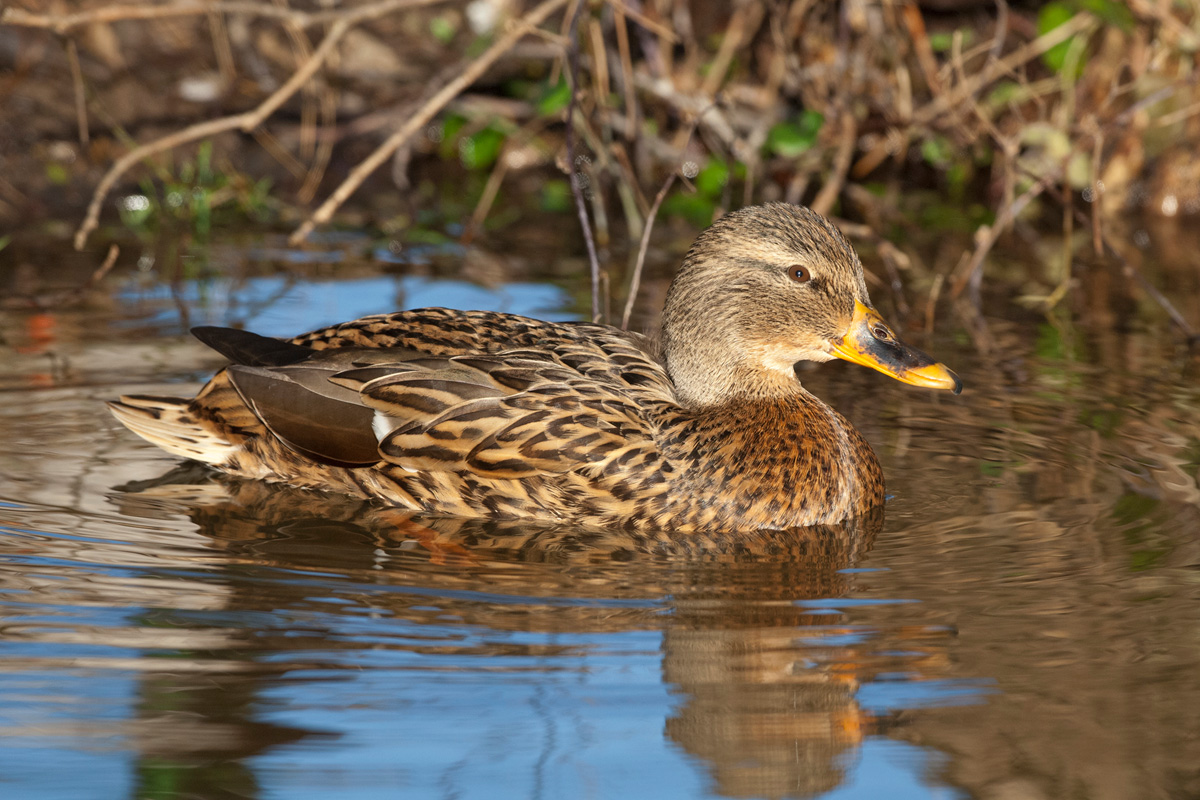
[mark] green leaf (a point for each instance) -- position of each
(712, 179)
(448, 146)
(556, 195)
(957, 175)
(1131, 508)
(937, 152)
(477, 46)
(1110, 12)
(201, 208)
(1053, 345)
(942, 41)
(57, 174)
(695, 208)
(955, 217)
(204, 171)
(521, 88)
(991, 469)
(480, 150)
(554, 99)
(426, 236)
(1050, 17)
(1005, 92)
(1106, 421)
(790, 139)
(443, 28)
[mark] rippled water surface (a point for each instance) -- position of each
(1023, 622)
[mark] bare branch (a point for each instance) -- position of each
(424, 114)
(64, 23)
(572, 170)
(246, 121)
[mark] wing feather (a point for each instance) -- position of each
(497, 396)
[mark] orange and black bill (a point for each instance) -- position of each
(870, 341)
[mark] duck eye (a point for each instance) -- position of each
(799, 273)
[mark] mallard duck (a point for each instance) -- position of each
(483, 414)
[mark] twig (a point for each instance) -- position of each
(67, 297)
(1175, 116)
(797, 186)
(1001, 31)
(1097, 229)
(1131, 271)
(222, 48)
(486, 199)
(741, 25)
(105, 266)
(423, 115)
(1162, 15)
(503, 164)
(686, 105)
(1068, 256)
(301, 50)
(626, 57)
(276, 150)
(246, 121)
(635, 282)
(920, 39)
(621, 157)
(80, 96)
(1029, 51)
(889, 254)
(931, 302)
(64, 23)
(825, 198)
(599, 63)
(641, 19)
(324, 150)
(986, 236)
(188, 134)
(572, 167)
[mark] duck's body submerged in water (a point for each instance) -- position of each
(481, 414)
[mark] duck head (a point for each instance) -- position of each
(767, 287)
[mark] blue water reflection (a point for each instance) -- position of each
(284, 306)
(310, 664)
(211, 641)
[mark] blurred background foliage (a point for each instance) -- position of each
(927, 128)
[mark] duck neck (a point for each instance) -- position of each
(714, 373)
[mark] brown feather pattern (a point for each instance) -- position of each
(483, 414)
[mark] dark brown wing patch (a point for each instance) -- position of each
(316, 418)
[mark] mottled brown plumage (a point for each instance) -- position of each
(481, 414)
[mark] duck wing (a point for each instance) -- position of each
(453, 332)
(568, 403)
(504, 416)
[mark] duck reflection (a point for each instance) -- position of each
(196, 733)
(765, 714)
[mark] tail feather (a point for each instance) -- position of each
(168, 423)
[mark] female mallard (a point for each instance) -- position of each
(481, 414)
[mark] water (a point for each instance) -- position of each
(1024, 621)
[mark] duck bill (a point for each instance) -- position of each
(869, 341)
